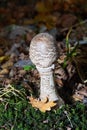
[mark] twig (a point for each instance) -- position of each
(65, 112)
(80, 23)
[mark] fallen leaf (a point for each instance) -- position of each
(3, 58)
(44, 105)
(83, 93)
(22, 72)
(4, 71)
(59, 82)
(60, 73)
(7, 64)
(78, 97)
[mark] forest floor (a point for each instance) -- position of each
(20, 23)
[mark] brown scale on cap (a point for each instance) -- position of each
(43, 50)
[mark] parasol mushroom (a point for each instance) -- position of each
(43, 54)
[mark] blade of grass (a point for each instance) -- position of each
(67, 41)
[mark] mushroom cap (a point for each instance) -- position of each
(43, 50)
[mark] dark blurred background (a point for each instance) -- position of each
(17, 11)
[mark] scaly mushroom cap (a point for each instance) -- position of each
(43, 50)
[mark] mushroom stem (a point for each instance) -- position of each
(47, 87)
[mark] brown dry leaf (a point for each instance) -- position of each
(7, 64)
(4, 71)
(43, 106)
(60, 73)
(71, 70)
(78, 97)
(61, 59)
(83, 93)
(59, 82)
(80, 93)
(22, 72)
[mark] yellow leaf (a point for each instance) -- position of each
(43, 106)
(47, 106)
(3, 58)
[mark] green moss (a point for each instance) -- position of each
(21, 116)
(17, 114)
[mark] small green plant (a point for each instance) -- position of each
(77, 55)
(29, 67)
(71, 52)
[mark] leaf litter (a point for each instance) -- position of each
(22, 25)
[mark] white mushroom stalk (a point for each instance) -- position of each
(47, 87)
(43, 54)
